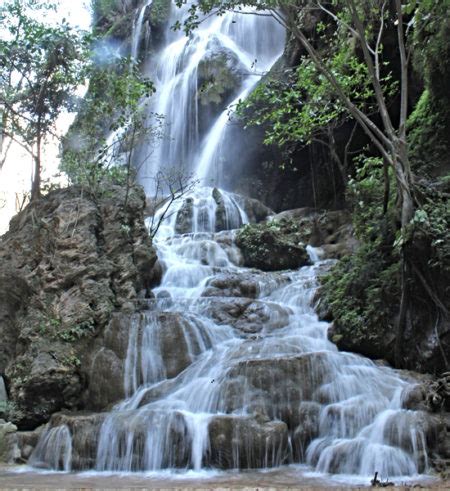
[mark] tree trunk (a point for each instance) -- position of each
(404, 182)
(36, 185)
(387, 187)
(404, 185)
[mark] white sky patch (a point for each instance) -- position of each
(15, 176)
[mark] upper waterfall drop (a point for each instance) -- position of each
(226, 56)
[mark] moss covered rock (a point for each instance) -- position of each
(265, 247)
(219, 75)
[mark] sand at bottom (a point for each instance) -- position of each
(291, 477)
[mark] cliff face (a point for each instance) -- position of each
(68, 264)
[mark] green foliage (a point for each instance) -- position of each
(273, 245)
(103, 9)
(431, 225)
(365, 195)
(429, 138)
(429, 123)
(108, 128)
(41, 67)
(431, 44)
(50, 326)
(362, 291)
(298, 110)
(300, 106)
(75, 332)
(160, 11)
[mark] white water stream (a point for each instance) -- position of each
(240, 46)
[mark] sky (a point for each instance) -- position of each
(15, 176)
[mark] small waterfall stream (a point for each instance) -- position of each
(231, 368)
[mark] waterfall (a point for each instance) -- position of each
(227, 376)
(231, 367)
(229, 53)
(54, 449)
(137, 30)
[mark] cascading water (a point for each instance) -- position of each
(230, 367)
(233, 50)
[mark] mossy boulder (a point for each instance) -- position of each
(219, 76)
(265, 247)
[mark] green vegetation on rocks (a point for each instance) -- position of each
(272, 246)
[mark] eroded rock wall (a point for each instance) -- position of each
(68, 265)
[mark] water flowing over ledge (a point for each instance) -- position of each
(220, 379)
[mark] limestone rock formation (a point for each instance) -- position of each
(220, 74)
(8, 446)
(71, 261)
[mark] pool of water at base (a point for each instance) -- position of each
(287, 477)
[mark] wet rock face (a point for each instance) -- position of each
(307, 429)
(433, 395)
(68, 262)
(176, 346)
(233, 285)
(275, 388)
(184, 217)
(246, 443)
(255, 210)
(330, 231)
(221, 212)
(80, 435)
(14, 294)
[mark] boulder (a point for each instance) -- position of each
(264, 248)
(230, 284)
(255, 210)
(225, 310)
(183, 222)
(330, 231)
(219, 75)
(178, 342)
(275, 387)
(106, 379)
(8, 442)
(243, 442)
